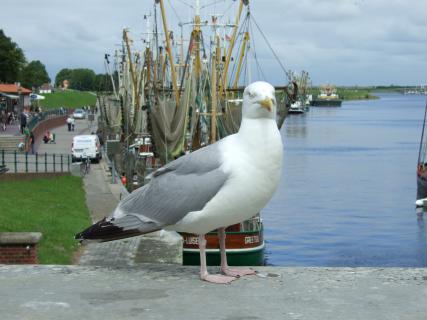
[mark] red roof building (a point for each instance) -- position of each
(14, 97)
(13, 88)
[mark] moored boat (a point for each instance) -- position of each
(422, 163)
(167, 106)
(296, 108)
(244, 242)
(328, 97)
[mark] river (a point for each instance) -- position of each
(348, 187)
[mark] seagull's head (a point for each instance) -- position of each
(259, 101)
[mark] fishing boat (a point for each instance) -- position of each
(422, 163)
(302, 101)
(328, 97)
(296, 108)
(165, 105)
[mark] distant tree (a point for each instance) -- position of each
(82, 79)
(34, 74)
(103, 82)
(63, 74)
(12, 59)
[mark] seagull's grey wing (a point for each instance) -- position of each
(182, 186)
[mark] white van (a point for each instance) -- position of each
(86, 146)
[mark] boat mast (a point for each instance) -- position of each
(132, 70)
(197, 38)
(242, 55)
(169, 51)
(230, 47)
(422, 136)
(214, 92)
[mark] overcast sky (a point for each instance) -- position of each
(346, 42)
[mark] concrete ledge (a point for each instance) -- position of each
(20, 237)
(157, 291)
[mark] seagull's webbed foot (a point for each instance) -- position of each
(237, 273)
(217, 278)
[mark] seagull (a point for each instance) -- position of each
(212, 188)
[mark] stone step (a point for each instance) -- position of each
(10, 142)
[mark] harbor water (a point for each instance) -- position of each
(348, 187)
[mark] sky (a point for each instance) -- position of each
(344, 42)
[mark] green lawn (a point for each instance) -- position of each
(67, 99)
(55, 207)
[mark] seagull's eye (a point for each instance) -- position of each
(251, 95)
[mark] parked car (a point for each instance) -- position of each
(79, 114)
(86, 146)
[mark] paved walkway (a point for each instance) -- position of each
(11, 130)
(57, 153)
(64, 138)
(102, 197)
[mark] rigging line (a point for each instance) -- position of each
(203, 44)
(254, 54)
(157, 37)
(174, 11)
(245, 72)
(187, 4)
(240, 33)
(272, 50)
(187, 60)
(228, 9)
(211, 4)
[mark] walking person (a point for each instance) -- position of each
(73, 122)
(23, 121)
(27, 134)
(3, 119)
(69, 121)
(32, 142)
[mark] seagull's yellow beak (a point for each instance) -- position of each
(267, 103)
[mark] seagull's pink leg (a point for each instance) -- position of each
(204, 275)
(224, 266)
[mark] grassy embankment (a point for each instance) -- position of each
(67, 99)
(55, 207)
(349, 93)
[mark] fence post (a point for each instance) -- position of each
(16, 165)
(68, 157)
(45, 162)
(62, 164)
(37, 162)
(2, 157)
(26, 162)
(54, 164)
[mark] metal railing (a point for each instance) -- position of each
(45, 115)
(18, 162)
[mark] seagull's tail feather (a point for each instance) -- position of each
(108, 230)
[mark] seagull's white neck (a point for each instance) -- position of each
(257, 129)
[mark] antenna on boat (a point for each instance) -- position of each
(198, 8)
(107, 67)
(147, 23)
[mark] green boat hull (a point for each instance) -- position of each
(246, 258)
(326, 103)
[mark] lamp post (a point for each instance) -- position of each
(21, 102)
